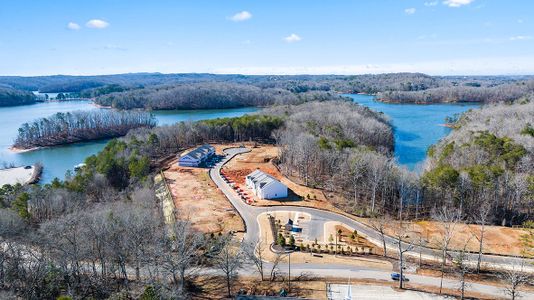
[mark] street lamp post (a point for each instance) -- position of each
(289, 277)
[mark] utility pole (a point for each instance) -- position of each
(420, 250)
(289, 277)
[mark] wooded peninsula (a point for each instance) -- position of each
(77, 126)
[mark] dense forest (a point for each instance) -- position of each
(488, 160)
(102, 90)
(368, 83)
(168, 90)
(467, 93)
(207, 95)
(345, 149)
(10, 97)
(77, 126)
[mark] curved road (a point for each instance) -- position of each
(250, 214)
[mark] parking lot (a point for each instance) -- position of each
(340, 292)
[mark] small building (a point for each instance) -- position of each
(265, 186)
(196, 157)
(289, 225)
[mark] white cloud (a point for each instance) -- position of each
(431, 3)
(457, 3)
(241, 16)
(520, 21)
(97, 24)
(521, 38)
(292, 38)
(73, 26)
(410, 11)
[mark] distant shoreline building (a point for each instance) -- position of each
(265, 186)
(195, 158)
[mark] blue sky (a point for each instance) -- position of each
(42, 37)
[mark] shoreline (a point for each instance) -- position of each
(99, 106)
(20, 150)
(24, 175)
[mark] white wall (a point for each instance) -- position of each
(274, 190)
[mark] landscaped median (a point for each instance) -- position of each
(319, 251)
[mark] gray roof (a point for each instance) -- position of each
(200, 151)
(262, 179)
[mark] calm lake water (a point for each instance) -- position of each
(416, 127)
(57, 160)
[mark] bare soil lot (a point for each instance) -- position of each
(497, 239)
(198, 199)
(261, 158)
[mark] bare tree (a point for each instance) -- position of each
(255, 253)
(462, 266)
(179, 257)
(448, 219)
(403, 245)
(274, 265)
(482, 218)
(377, 171)
(228, 260)
(379, 224)
(514, 278)
(11, 226)
(65, 244)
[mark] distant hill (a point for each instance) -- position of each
(10, 97)
(391, 87)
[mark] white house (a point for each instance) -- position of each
(265, 186)
(196, 157)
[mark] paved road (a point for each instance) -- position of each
(250, 215)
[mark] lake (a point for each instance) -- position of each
(416, 126)
(57, 160)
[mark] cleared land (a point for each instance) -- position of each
(497, 239)
(261, 157)
(16, 175)
(197, 198)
